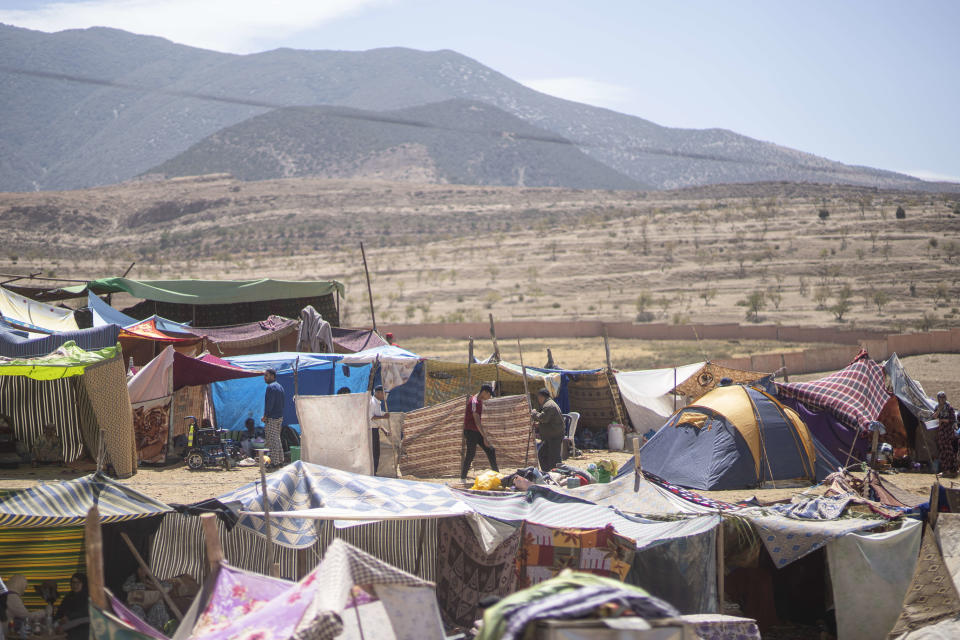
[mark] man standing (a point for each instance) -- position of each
(946, 436)
(473, 431)
(550, 425)
(273, 400)
(376, 414)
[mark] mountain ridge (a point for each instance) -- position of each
(55, 128)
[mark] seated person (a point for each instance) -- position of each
(9, 456)
(73, 613)
(16, 611)
(47, 448)
(145, 601)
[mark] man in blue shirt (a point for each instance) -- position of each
(273, 416)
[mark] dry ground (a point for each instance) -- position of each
(444, 252)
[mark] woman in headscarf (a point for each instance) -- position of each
(73, 614)
(16, 610)
(946, 436)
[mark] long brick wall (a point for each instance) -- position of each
(848, 342)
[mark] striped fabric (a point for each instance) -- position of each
(32, 403)
(597, 398)
(48, 554)
(59, 504)
(507, 423)
(178, 547)
(13, 345)
(854, 395)
(432, 436)
(431, 439)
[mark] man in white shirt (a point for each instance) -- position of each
(376, 413)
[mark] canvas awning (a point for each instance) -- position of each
(202, 292)
(58, 504)
(33, 315)
(66, 361)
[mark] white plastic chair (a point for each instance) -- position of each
(571, 419)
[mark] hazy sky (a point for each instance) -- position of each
(871, 82)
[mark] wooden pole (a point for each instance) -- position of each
(272, 565)
(637, 469)
(720, 565)
(420, 537)
(373, 317)
(21, 276)
(874, 444)
(783, 365)
(526, 393)
(606, 347)
(674, 389)
(493, 336)
(29, 277)
(156, 583)
(212, 539)
(94, 551)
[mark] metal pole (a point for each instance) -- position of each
(526, 393)
(272, 566)
(373, 318)
(720, 568)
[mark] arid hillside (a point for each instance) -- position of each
(776, 252)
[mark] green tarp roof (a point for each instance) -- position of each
(211, 291)
(67, 361)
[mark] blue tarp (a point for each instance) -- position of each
(237, 400)
(355, 377)
(563, 396)
(104, 314)
(18, 343)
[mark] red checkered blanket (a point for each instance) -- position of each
(854, 395)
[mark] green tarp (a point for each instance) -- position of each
(211, 291)
(68, 360)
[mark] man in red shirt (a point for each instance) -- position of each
(473, 431)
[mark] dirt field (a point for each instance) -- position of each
(801, 254)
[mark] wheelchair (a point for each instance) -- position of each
(209, 447)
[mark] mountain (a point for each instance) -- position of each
(454, 141)
(146, 100)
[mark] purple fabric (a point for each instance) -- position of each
(236, 594)
(251, 333)
(833, 435)
(354, 340)
(126, 615)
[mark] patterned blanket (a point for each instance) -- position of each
(465, 574)
(546, 551)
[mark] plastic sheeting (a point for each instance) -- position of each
(31, 314)
(335, 431)
(236, 400)
(647, 394)
(870, 574)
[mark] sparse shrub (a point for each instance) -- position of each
(823, 214)
(880, 298)
(900, 214)
(754, 304)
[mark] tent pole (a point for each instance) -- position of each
(416, 565)
(637, 469)
(934, 512)
(526, 393)
(606, 347)
(674, 389)
(29, 277)
(493, 336)
(156, 583)
(94, 551)
(720, 568)
(373, 318)
(272, 566)
(212, 540)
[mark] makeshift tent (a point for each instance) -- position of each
(854, 395)
(433, 436)
(448, 380)
(647, 395)
(733, 437)
(81, 392)
(36, 316)
(19, 343)
(41, 528)
(152, 392)
(215, 303)
(916, 410)
(595, 395)
(237, 604)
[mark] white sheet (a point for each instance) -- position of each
(335, 431)
(646, 394)
(870, 574)
(154, 380)
(19, 309)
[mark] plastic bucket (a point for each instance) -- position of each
(615, 434)
(294, 454)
